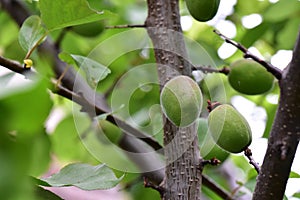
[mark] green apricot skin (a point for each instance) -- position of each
(229, 129)
(203, 10)
(181, 100)
(92, 29)
(249, 77)
(208, 148)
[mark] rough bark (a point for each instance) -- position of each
(284, 137)
(183, 170)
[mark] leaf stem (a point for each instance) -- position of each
(36, 45)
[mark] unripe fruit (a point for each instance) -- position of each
(249, 77)
(181, 100)
(203, 10)
(92, 29)
(229, 129)
(208, 148)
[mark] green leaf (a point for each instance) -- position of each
(25, 109)
(285, 197)
(40, 151)
(138, 191)
(249, 7)
(64, 142)
(297, 195)
(84, 176)
(294, 175)
(275, 12)
(288, 35)
(105, 115)
(38, 181)
(271, 112)
(93, 70)
(66, 57)
(63, 13)
(254, 34)
(9, 30)
(31, 33)
(108, 131)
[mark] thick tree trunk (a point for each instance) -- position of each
(284, 136)
(183, 166)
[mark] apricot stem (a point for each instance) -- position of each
(212, 105)
(248, 154)
(213, 161)
(225, 70)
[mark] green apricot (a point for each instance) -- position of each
(181, 100)
(92, 29)
(208, 148)
(202, 10)
(249, 77)
(229, 129)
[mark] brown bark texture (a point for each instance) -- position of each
(183, 170)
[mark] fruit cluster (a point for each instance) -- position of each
(226, 130)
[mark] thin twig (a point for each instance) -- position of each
(247, 54)
(126, 26)
(248, 154)
(149, 184)
(214, 162)
(225, 70)
(62, 75)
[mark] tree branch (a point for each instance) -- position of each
(126, 26)
(248, 154)
(247, 54)
(224, 70)
(15, 66)
(284, 136)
